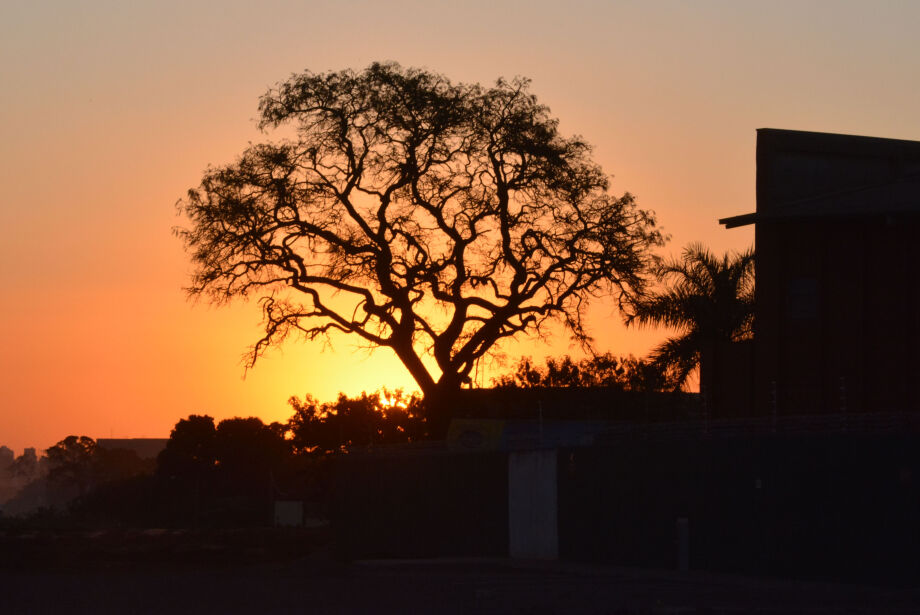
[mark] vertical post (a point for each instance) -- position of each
(704, 393)
(843, 401)
(197, 496)
(540, 418)
(683, 544)
(773, 403)
(272, 517)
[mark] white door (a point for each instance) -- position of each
(533, 529)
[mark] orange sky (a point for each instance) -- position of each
(111, 112)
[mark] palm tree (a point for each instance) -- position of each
(706, 298)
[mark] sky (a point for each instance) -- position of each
(110, 111)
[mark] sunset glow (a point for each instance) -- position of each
(112, 112)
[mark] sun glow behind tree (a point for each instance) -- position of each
(105, 126)
(431, 218)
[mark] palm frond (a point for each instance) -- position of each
(677, 358)
(704, 297)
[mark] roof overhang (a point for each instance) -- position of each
(742, 220)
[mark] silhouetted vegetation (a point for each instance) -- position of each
(71, 463)
(606, 370)
(444, 217)
(228, 473)
(191, 449)
(617, 503)
(210, 474)
(706, 298)
(381, 418)
(224, 474)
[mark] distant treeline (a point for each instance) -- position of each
(229, 472)
(210, 473)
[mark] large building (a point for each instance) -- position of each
(837, 232)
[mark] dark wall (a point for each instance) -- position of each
(838, 283)
(838, 316)
(421, 505)
(839, 507)
(576, 403)
(727, 379)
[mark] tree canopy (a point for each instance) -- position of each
(71, 461)
(384, 417)
(432, 218)
(604, 370)
(241, 448)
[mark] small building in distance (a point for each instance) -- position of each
(837, 233)
(146, 448)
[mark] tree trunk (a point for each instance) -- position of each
(441, 404)
(440, 397)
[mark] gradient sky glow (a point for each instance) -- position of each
(110, 111)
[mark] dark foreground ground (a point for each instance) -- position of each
(284, 571)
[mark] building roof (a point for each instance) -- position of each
(146, 448)
(820, 175)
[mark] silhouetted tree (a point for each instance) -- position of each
(387, 417)
(707, 299)
(224, 473)
(441, 217)
(190, 450)
(606, 370)
(70, 463)
(76, 465)
(247, 450)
